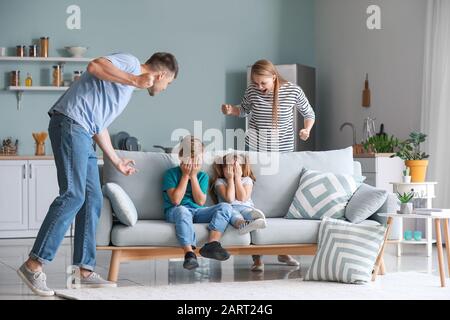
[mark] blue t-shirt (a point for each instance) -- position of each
(171, 179)
(95, 103)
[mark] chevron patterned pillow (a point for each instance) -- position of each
(322, 194)
(346, 252)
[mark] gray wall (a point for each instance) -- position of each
(393, 57)
(214, 41)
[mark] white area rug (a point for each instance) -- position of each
(404, 286)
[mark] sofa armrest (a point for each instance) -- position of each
(391, 205)
(105, 222)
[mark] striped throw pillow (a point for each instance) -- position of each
(346, 252)
(322, 194)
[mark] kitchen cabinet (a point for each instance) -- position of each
(27, 188)
(28, 185)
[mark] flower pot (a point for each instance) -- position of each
(406, 208)
(406, 179)
(418, 169)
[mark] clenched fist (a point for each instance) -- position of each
(227, 109)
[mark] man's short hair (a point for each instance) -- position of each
(163, 60)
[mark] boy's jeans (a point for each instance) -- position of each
(184, 217)
(80, 194)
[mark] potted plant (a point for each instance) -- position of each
(381, 144)
(406, 175)
(415, 159)
(406, 205)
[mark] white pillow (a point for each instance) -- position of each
(123, 206)
(322, 194)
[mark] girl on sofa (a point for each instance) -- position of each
(233, 183)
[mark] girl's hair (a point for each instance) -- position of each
(267, 69)
(219, 165)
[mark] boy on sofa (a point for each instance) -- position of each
(184, 191)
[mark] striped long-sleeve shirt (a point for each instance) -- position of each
(261, 134)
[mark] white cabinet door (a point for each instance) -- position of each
(42, 189)
(13, 195)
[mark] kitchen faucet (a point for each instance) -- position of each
(353, 128)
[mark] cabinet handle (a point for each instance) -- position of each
(24, 169)
(31, 171)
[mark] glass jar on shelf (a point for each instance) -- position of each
(56, 76)
(20, 51)
(15, 78)
(76, 75)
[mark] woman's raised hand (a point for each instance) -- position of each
(237, 170)
(227, 109)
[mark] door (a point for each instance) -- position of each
(13, 195)
(42, 188)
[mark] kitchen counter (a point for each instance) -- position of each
(373, 155)
(31, 157)
(24, 157)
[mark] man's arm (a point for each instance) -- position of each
(104, 142)
(103, 69)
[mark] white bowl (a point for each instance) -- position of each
(76, 52)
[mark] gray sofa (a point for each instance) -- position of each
(277, 179)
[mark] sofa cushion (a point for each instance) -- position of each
(364, 203)
(321, 194)
(278, 175)
(290, 231)
(144, 187)
(122, 205)
(162, 233)
(346, 251)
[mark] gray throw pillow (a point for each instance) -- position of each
(123, 206)
(346, 252)
(364, 203)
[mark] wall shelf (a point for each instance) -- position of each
(49, 59)
(19, 90)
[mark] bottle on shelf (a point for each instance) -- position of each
(28, 80)
(20, 51)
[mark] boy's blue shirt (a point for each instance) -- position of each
(171, 179)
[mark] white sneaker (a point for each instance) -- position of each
(288, 260)
(256, 214)
(250, 225)
(94, 280)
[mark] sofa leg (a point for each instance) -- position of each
(114, 265)
(382, 270)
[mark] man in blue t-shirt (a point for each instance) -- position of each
(79, 117)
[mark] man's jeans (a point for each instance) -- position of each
(184, 217)
(80, 194)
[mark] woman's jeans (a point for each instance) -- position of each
(80, 194)
(184, 217)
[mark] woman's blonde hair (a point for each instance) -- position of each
(266, 68)
(219, 165)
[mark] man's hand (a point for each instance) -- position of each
(144, 81)
(304, 134)
(125, 166)
(227, 109)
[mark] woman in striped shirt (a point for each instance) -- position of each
(270, 101)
